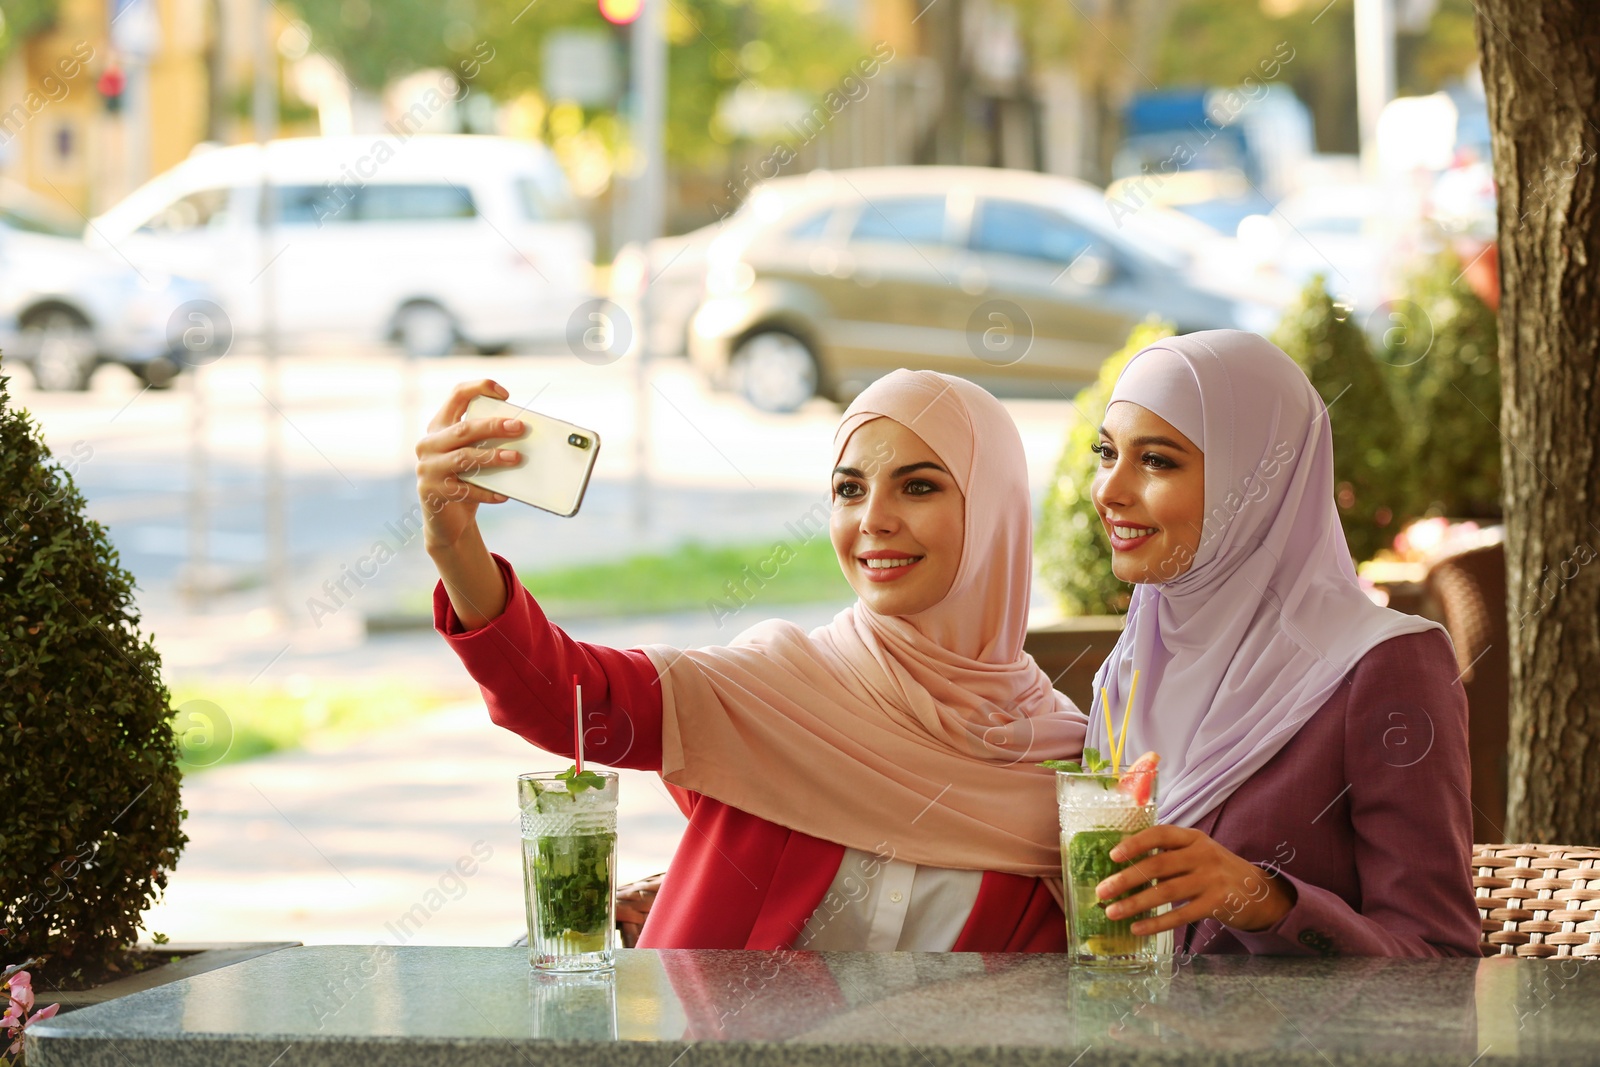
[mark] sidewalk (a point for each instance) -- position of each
(373, 840)
(362, 843)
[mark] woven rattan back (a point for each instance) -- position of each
(1470, 587)
(1538, 900)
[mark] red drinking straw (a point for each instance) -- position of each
(577, 721)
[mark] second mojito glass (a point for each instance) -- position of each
(1095, 815)
(569, 866)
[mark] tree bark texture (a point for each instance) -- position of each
(1541, 70)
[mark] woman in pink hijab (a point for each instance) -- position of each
(871, 785)
(1314, 783)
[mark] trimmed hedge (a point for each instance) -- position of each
(90, 824)
(1443, 355)
(1371, 469)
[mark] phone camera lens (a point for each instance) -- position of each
(577, 440)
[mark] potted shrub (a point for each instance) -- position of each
(1371, 459)
(90, 826)
(1443, 355)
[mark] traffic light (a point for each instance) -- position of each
(110, 86)
(620, 12)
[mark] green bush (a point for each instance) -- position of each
(90, 824)
(1443, 353)
(1073, 553)
(1370, 448)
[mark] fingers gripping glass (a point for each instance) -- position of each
(557, 458)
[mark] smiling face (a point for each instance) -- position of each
(1150, 494)
(897, 519)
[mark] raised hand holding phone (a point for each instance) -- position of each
(455, 446)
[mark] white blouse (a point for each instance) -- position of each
(878, 904)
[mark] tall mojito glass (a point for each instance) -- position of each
(1096, 813)
(569, 866)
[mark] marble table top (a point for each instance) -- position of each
(338, 1005)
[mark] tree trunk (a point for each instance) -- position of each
(1541, 70)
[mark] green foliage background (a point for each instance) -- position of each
(376, 40)
(1370, 460)
(1445, 367)
(713, 45)
(90, 824)
(1176, 43)
(19, 19)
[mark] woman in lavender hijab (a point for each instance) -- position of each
(1314, 778)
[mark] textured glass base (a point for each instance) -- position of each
(1140, 958)
(574, 1007)
(569, 962)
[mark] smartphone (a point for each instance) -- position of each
(557, 458)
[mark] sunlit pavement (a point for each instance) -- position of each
(410, 836)
(339, 844)
(357, 843)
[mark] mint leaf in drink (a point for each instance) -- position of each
(1088, 861)
(586, 780)
(572, 887)
(1093, 763)
(1063, 765)
(577, 783)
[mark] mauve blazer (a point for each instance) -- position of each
(1367, 812)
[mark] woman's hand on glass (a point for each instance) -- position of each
(1198, 876)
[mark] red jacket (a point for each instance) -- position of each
(736, 880)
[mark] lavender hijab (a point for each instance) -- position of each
(1238, 651)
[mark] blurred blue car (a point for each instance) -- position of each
(66, 309)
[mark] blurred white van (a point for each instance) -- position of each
(429, 241)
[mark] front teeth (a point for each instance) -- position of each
(885, 564)
(1128, 533)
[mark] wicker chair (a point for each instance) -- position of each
(1470, 588)
(1538, 900)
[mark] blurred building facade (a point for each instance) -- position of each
(116, 91)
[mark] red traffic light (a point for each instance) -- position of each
(620, 12)
(111, 83)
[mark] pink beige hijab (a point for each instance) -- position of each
(918, 734)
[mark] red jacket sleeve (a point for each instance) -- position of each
(1406, 750)
(524, 665)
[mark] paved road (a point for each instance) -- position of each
(719, 472)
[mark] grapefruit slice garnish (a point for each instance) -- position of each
(1139, 780)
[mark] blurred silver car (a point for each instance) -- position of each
(71, 308)
(659, 284)
(1022, 282)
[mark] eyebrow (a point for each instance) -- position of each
(852, 472)
(1154, 439)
